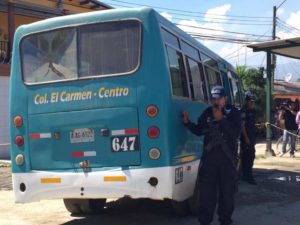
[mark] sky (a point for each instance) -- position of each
(235, 19)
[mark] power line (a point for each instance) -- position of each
(286, 29)
(221, 38)
(221, 17)
(281, 4)
(213, 20)
(225, 31)
(185, 11)
(245, 45)
(287, 25)
(224, 22)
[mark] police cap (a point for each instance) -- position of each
(218, 92)
(249, 96)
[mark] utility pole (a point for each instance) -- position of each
(271, 64)
(273, 61)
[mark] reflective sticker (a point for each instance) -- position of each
(187, 158)
(115, 179)
(50, 180)
(38, 136)
(84, 154)
(125, 132)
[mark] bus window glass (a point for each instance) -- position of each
(170, 38)
(234, 89)
(209, 61)
(178, 77)
(196, 78)
(49, 56)
(213, 77)
(109, 48)
(190, 51)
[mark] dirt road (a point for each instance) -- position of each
(275, 201)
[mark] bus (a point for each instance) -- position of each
(95, 108)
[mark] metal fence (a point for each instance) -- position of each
(5, 54)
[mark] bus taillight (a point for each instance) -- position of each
(153, 132)
(19, 141)
(18, 121)
(152, 111)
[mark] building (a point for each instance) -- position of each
(14, 13)
(284, 91)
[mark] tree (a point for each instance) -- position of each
(253, 80)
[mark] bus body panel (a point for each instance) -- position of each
(61, 140)
(53, 185)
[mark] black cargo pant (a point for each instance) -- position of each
(217, 184)
(248, 156)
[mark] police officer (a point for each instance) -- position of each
(248, 137)
(220, 124)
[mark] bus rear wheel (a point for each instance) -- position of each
(84, 206)
(180, 208)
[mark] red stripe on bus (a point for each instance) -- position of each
(34, 136)
(132, 131)
(78, 154)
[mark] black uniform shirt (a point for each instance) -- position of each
(290, 120)
(230, 126)
(248, 116)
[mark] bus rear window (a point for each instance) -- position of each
(102, 49)
(109, 48)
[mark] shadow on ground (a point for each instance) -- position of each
(275, 189)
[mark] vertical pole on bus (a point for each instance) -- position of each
(269, 150)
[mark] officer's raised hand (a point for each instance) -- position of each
(185, 117)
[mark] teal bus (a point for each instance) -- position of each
(95, 104)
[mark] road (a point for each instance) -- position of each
(275, 201)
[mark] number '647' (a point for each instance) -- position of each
(127, 144)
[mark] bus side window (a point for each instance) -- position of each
(178, 77)
(235, 90)
(213, 77)
(197, 83)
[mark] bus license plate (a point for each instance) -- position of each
(124, 143)
(82, 135)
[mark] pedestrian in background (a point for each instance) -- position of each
(289, 115)
(298, 122)
(220, 124)
(248, 137)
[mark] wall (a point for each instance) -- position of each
(20, 20)
(4, 116)
(3, 25)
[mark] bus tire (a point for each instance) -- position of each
(84, 206)
(180, 208)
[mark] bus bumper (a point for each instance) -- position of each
(174, 182)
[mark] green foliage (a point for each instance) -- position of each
(253, 80)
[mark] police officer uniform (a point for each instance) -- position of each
(248, 149)
(217, 173)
